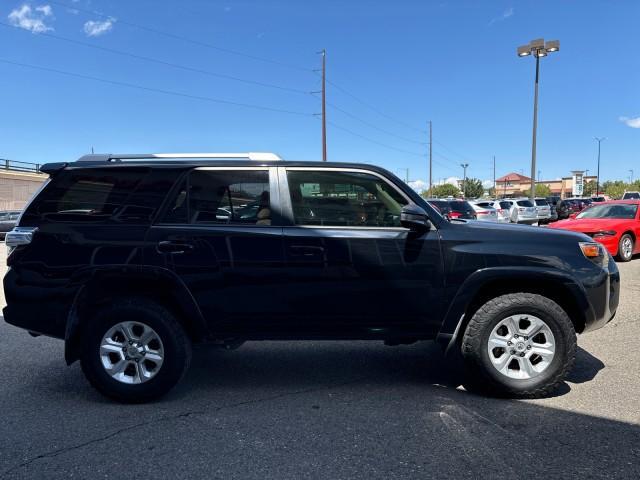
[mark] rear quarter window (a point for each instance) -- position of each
(98, 195)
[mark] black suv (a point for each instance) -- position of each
(132, 259)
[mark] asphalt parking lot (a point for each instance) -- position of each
(331, 410)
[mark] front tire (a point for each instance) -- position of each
(625, 248)
(134, 350)
(519, 345)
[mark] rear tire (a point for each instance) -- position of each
(534, 334)
(626, 246)
(134, 350)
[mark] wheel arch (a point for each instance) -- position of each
(157, 284)
(486, 284)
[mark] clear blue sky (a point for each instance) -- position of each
(452, 62)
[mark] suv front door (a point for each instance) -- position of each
(352, 269)
(219, 234)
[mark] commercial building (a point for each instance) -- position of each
(516, 185)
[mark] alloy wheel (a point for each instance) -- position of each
(131, 352)
(521, 346)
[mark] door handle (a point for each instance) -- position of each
(306, 250)
(168, 246)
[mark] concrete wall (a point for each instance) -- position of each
(16, 188)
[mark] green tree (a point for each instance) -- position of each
(589, 188)
(473, 188)
(615, 189)
(444, 190)
(542, 190)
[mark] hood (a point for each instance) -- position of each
(514, 230)
(590, 224)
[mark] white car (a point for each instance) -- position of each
(522, 211)
(501, 207)
(544, 210)
(485, 211)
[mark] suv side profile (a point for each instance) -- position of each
(132, 259)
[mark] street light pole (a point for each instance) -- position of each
(538, 49)
(599, 140)
(464, 181)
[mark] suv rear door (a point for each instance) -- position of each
(219, 233)
(352, 268)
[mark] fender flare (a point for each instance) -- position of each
(90, 281)
(455, 318)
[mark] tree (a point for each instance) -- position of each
(542, 190)
(615, 189)
(444, 190)
(589, 188)
(473, 188)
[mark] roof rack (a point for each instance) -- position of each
(112, 157)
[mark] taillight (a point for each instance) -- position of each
(19, 236)
(454, 215)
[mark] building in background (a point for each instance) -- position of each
(17, 188)
(515, 184)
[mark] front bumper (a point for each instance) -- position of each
(603, 295)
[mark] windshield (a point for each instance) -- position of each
(615, 210)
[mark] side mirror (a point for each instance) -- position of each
(414, 218)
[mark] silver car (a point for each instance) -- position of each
(522, 211)
(544, 210)
(485, 211)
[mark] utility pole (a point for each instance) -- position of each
(495, 187)
(324, 105)
(464, 181)
(599, 140)
(430, 157)
(631, 176)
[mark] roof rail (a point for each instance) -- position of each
(112, 157)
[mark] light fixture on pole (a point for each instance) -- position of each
(538, 48)
(464, 181)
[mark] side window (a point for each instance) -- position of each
(335, 198)
(87, 195)
(222, 197)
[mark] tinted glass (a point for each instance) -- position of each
(461, 206)
(222, 197)
(86, 195)
(631, 196)
(505, 205)
(541, 202)
(343, 199)
(524, 203)
(441, 205)
(621, 211)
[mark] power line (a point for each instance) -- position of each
(364, 137)
(161, 62)
(371, 125)
(180, 37)
(157, 90)
(371, 107)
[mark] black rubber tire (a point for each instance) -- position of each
(482, 377)
(176, 343)
(620, 257)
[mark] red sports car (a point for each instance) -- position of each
(615, 224)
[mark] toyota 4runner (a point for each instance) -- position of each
(132, 259)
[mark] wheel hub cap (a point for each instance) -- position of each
(131, 352)
(521, 346)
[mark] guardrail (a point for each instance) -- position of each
(6, 164)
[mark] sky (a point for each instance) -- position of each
(236, 76)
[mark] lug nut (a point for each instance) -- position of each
(515, 336)
(513, 352)
(509, 343)
(528, 347)
(522, 355)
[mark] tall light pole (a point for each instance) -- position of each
(538, 49)
(631, 175)
(464, 181)
(599, 140)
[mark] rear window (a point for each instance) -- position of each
(631, 196)
(95, 195)
(524, 203)
(540, 202)
(461, 206)
(441, 205)
(505, 205)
